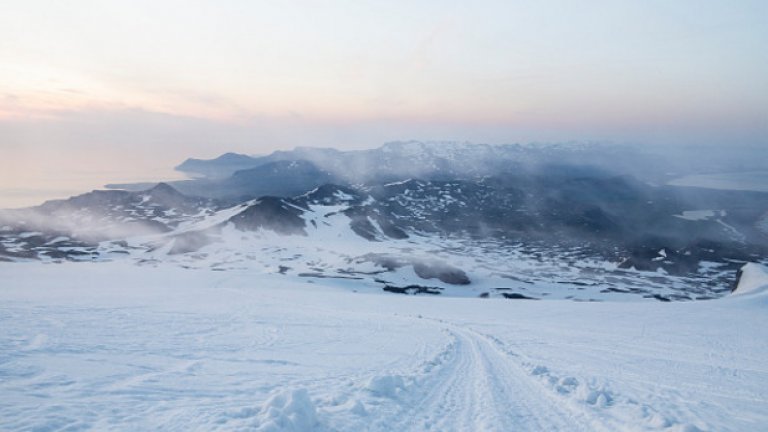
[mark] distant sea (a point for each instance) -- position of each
(34, 190)
(748, 181)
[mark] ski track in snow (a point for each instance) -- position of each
(180, 350)
(479, 387)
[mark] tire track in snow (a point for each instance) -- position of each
(480, 387)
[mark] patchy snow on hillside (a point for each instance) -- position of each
(113, 346)
(331, 249)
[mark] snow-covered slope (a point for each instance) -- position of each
(106, 347)
(753, 280)
(573, 238)
(330, 234)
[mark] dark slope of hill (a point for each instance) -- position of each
(220, 167)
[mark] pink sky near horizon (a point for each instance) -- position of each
(128, 89)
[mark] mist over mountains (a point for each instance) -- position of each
(390, 206)
(237, 176)
(397, 161)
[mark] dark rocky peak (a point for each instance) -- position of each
(166, 196)
(163, 189)
(161, 196)
(274, 214)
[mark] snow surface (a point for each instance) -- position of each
(753, 280)
(113, 346)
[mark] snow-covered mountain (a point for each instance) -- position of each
(294, 297)
(452, 160)
(517, 237)
(411, 217)
(234, 176)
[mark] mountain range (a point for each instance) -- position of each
(459, 219)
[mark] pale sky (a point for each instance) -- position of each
(126, 89)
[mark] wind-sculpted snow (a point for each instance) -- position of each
(110, 346)
(753, 280)
(287, 411)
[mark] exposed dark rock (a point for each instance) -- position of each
(325, 276)
(361, 224)
(432, 269)
(559, 198)
(444, 272)
(412, 289)
(517, 296)
(273, 214)
(737, 279)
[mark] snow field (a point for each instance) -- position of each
(113, 346)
